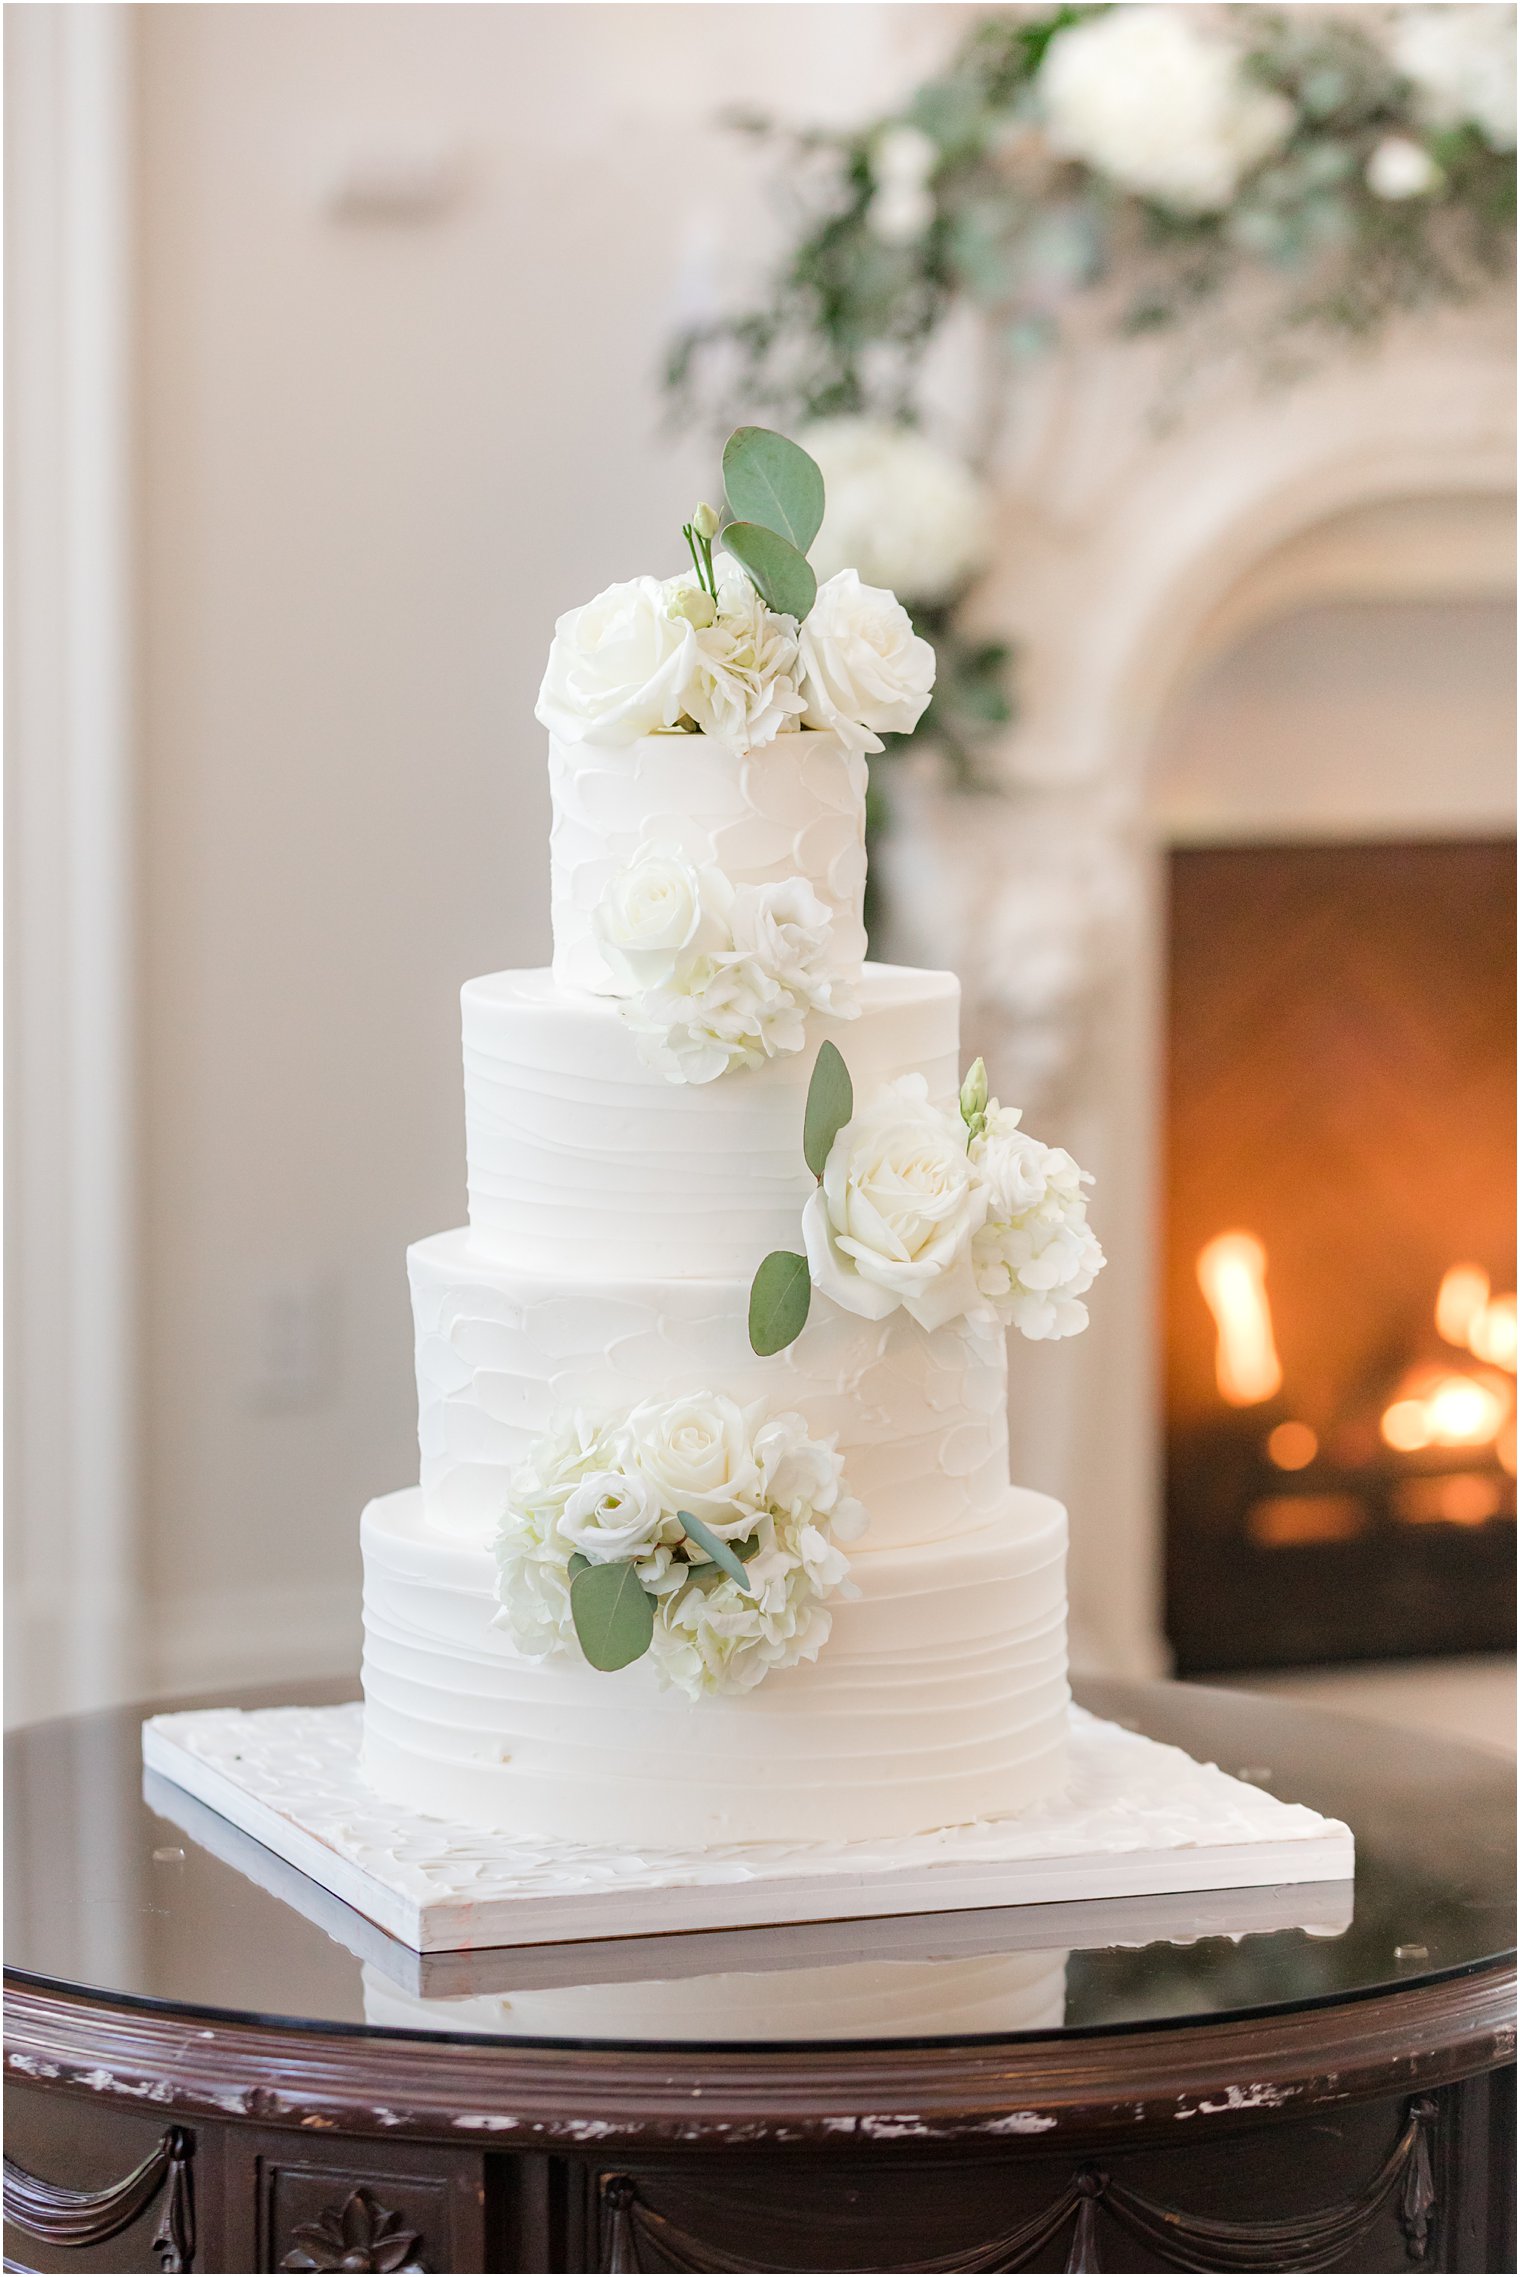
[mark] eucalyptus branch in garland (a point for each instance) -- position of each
(1132, 165)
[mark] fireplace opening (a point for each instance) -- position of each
(1339, 1329)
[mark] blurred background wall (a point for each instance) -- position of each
(395, 285)
(374, 397)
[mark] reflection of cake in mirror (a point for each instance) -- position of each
(843, 2000)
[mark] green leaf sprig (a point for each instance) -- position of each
(612, 1610)
(782, 1289)
(719, 1551)
(775, 502)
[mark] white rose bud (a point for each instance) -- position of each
(706, 521)
(865, 671)
(695, 606)
(611, 1515)
(974, 1096)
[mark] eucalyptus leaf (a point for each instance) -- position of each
(772, 481)
(778, 1301)
(578, 1563)
(778, 572)
(830, 1104)
(613, 1614)
(719, 1552)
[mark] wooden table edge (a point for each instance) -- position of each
(508, 2094)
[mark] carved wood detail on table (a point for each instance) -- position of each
(62, 2216)
(635, 2236)
(359, 2234)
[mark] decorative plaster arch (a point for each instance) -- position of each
(1121, 548)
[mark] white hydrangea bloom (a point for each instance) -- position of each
(742, 689)
(899, 511)
(761, 1483)
(1035, 1256)
(713, 976)
(1158, 105)
(1461, 63)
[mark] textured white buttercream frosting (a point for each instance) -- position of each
(940, 1698)
(583, 1159)
(795, 808)
(920, 1417)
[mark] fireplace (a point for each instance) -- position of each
(1339, 1315)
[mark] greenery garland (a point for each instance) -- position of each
(1361, 168)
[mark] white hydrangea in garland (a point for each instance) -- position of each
(627, 1492)
(714, 976)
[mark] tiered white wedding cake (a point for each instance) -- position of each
(715, 1541)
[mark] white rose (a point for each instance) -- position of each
(866, 672)
(612, 1515)
(787, 931)
(893, 1220)
(658, 910)
(1399, 168)
(618, 668)
(1036, 1255)
(900, 511)
(574, 1446)
(696, 1455)
(743, 686)
(1162, 108)
(1461, 64)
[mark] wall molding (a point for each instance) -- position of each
(73, 1613)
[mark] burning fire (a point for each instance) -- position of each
(1468, 1316)
(1232, 1273)
(1445, 1407)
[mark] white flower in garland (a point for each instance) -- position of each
(904, 160)
(892, 1219)
(1461, 63)
(1035, 1256)
(611, 1492)
(1141, 95)
(714, 976)
(901, 512)
(866, 673)
(1400, 168)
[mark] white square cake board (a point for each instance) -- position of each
(1137, 1819)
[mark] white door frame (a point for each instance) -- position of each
(71, 1460)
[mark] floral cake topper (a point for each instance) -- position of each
(747, 652)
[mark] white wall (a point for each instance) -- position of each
(379, 458)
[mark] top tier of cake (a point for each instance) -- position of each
(795, 808)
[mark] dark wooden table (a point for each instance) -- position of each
(1257, 2081)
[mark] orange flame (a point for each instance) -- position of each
(1232, 1273)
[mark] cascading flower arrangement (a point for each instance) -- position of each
(1130, 165)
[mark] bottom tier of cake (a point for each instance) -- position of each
(844, 2000)
(939, 1698)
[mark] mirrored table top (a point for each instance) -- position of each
(118, 1882)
